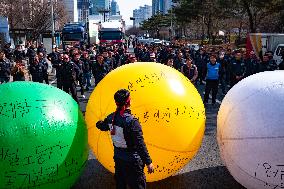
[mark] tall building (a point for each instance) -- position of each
(141, 14)
(83, 10)
(97, 6)
(72, 10)
(157, 6)
(167, 5)
(161, 6)
(114, 8)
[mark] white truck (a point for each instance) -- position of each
(94, 25)
(112, 32)
(263, 42)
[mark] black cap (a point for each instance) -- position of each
(121, 97)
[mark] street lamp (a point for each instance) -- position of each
(52, 23)
(52, 20)
(172, 29)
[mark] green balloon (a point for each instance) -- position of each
(43, 137)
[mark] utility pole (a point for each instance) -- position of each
(203, 30)
(172, 25)
(52, 20)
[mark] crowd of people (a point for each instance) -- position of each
(216, 67)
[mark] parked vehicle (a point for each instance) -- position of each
(75, 34)
(112, 31)
(263, 42)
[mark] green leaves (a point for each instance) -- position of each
(156, 22)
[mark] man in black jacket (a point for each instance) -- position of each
(100, 69)
(69, 72)
(41, 49)
(201, 62)
(179, 61)
(130, 152)
(265, 65)
(37, 70)
(251, 64)
(43, 61)
(5, 68)
(87, 71)
(53, 57)
(237, 69)
(58, 66)
(80, 65)
(31, 53)
(19, 53)
(8, 51)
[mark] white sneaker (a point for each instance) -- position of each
(83, 96)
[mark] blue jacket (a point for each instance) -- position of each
(213, 71)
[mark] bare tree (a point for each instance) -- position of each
(32, 14)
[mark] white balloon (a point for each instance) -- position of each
(250, 131)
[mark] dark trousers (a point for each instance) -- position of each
(81, 83)
(71, 87)
(59, 83)
(81, 86)
(223, 84)
(200, 77)
(46, 78)
(129, 173)
(211, 85)
(233, 82)
(87, 79)
(37, 79)
(4, 79)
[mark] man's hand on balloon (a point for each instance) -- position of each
(150, 168)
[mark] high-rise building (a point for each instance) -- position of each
(141, 14)
(72, 10)
(157, 6)
(167, 5)
(114, 8)
(98, 6)
(83, 10)
(161, 6)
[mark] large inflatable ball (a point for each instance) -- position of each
(43, 137)
(251, 131)
(168, 107)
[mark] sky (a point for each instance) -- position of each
(127, 6)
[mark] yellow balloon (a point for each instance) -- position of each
(168, 107)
